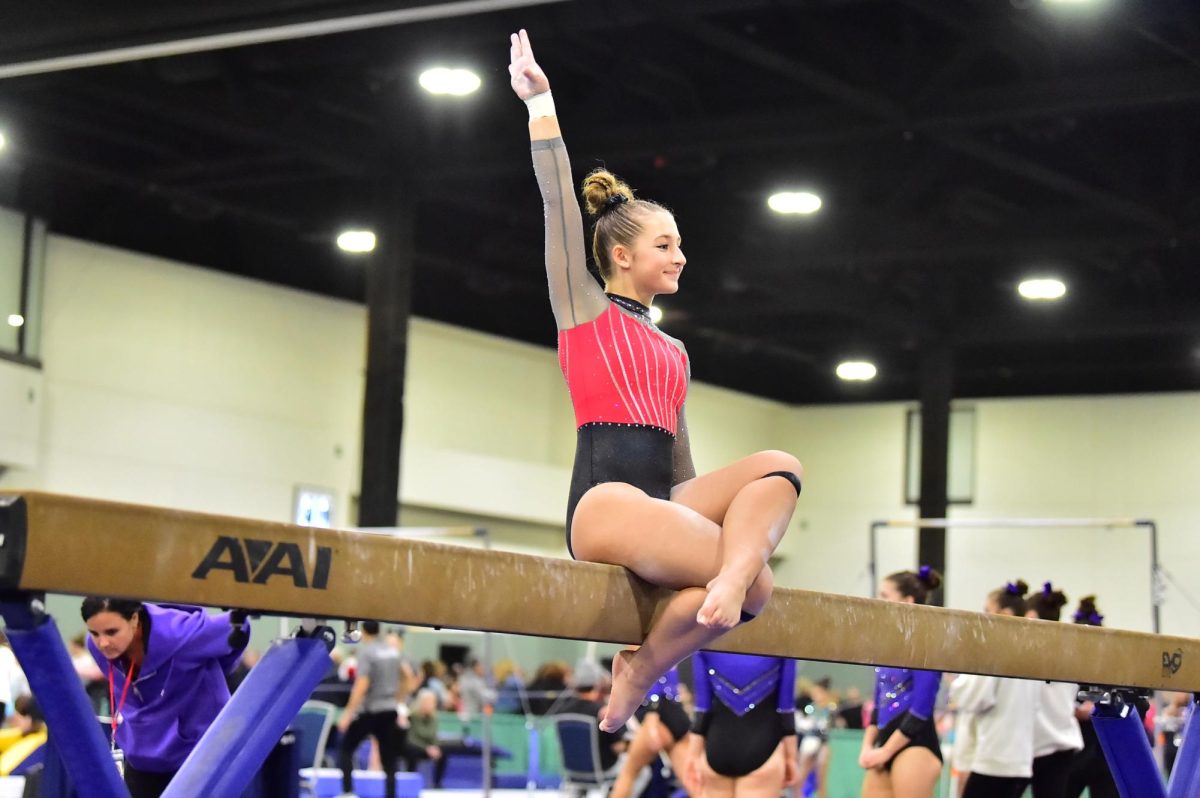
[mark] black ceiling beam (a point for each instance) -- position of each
(880, 107)
(793, 130)
(344, 154)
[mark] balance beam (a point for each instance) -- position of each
(64, 544)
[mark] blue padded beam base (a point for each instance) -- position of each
(1127, 750)
(39, 648)
(1185, 778)
(233, 749)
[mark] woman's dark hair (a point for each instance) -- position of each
(1088, 613)
(126, 608)
(618, 215)
(918, 584)
(1047, 603)
(1011, 597)
(27, 706)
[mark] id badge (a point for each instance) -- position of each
(119, 760)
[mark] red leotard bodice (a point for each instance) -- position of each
(623, 371)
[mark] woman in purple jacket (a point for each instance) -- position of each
(165, 668)
(901, 752)
(745, 716)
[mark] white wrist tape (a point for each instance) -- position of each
(541, 105)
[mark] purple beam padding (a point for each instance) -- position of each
(233, 749)
(69, 717)
(1185, 778)
(1127, 750)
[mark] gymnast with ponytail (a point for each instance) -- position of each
(1002, 714)
(1056, 737)
(900, 751)
(635, 499)
(1089, 768)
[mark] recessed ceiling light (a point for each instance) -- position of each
(856, 370)
(16, 320)
(656, 314)
(457, 82)
(798, 202)
(356, 241)
(1042, 289)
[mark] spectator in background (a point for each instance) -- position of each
(548, 684)
(248, 660)
(850, 710)
(333, 688)
(12, 678)
(423, 741)
(178, 657)
(28, 734)
(589, 683)
(474, 692)
(371, 708)
(410, 677)
(431, 679)
(89, 674)
(509, 685)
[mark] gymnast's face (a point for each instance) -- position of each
(992, 607)
(111, 633)
(653, 264)
(889, 592)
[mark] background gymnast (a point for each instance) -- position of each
(1056, 736)
(1003, 713)
(635, 499)
(745, 726)
(900, 750)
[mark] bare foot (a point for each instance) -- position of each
(627, 693)
(722, 607)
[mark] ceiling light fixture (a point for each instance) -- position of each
(356, 241)
(1042, 289)
(794, 202)
(856, 370)
(16, 320)
(455, 82)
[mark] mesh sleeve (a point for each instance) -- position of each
(575, 296)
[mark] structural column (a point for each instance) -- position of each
(936, 390)
(389, 305)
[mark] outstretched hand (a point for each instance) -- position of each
(526, 76)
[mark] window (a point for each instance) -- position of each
(960, 478)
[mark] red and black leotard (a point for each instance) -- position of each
(627, 379)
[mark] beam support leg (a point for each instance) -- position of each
(1127, 749)
(38, 646)
(1185, 778)
(241, 737)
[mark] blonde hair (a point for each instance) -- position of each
(618, 215)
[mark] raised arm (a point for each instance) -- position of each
(575, 296)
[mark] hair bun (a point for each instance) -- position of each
(603, 191)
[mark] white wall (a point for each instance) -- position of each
(179, 386)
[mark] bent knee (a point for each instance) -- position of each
(776, 460)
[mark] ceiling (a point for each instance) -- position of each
(958, 147)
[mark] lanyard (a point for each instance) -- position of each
(112, 703)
